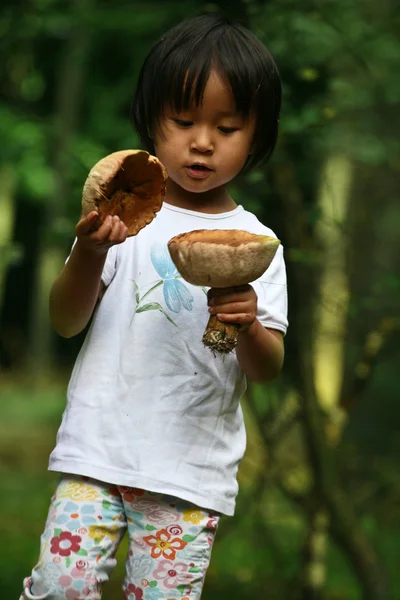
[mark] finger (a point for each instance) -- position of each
(104, 230)
(247, 295)
(86, 223)
(239, 318)
(232, 299)
(119, 230)
(219, 291)
(230, 307)
(122, 232)
(234, 292)
(115, 223)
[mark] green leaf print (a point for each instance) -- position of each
(194, 569)
(188, 538)
(155, 306)
(68, 561)
(139, 299)
(151, 289)
(106, 504)
(82, 552)
(150, 528)
(181, 588)
(57, 532)
(152, 584)
(136, 291)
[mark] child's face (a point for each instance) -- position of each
(205, 147)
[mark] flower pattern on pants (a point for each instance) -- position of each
(161, 543)
(170, 543)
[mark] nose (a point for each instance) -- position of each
(202, 141)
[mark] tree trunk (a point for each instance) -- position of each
(326, 493)
(7, 212)
(71, 76)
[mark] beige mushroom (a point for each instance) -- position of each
(128, 183)
(221, 259)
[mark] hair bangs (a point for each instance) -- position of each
(236, 65)
(187, 76)
(186, 73)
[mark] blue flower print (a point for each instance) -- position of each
(162, 261)
(176, 294)
(74, 517)
(153, 594)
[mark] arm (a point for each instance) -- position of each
(259, 351)
(75, 291)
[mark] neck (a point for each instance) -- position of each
(213, 201)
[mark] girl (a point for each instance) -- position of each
(153, 432)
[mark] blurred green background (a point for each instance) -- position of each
(318, 516)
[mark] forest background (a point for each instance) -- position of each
(318, 516)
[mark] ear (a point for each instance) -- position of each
(252, 148)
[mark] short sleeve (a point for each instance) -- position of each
(271, 289)
(109, 266)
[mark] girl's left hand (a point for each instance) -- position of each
(234, 305)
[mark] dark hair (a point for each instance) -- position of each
(176, 71)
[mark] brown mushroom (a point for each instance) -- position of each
(221, 259)
(128, 183)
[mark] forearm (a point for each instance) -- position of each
(74, 293)
(260, 352)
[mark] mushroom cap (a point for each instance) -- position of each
(127, 183)
(222, 258)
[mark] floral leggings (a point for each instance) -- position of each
(170, 544)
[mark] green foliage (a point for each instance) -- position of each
(339, 63)
(342, 58)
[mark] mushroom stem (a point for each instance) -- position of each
(220, 337)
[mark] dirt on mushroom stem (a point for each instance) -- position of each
(220, 337)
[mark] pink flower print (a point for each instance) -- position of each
(78, 572)
(133, 593)
(161, 543)
(72, 594)
(65, 543)
(128, 493)
(161, 516)
(172, 574)
(175, 529)
(212, 523)
(65, 581)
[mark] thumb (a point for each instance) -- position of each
(87, 223)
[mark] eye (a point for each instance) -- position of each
(182, 123)
(227, 130)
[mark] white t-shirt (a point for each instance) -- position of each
(148, 405)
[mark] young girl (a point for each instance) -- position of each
(153, 432)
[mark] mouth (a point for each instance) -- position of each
(199, 167)
(198, 170)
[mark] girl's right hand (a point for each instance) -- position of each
(112, 231)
